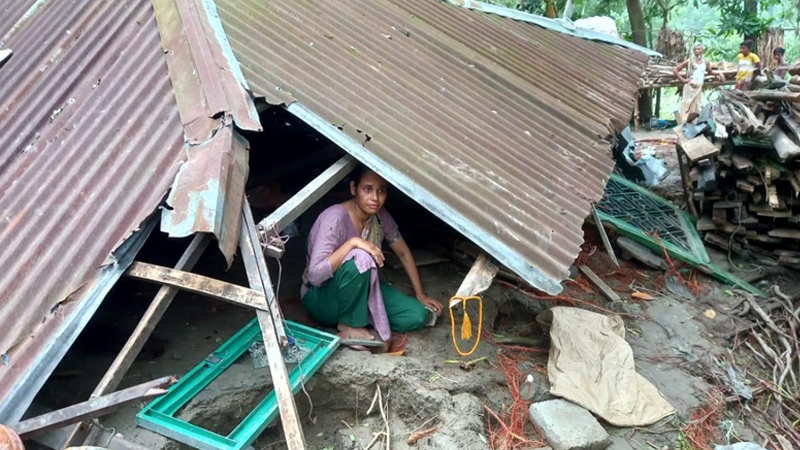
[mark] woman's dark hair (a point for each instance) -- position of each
(357, 174)
(780, 51)
(748, 44)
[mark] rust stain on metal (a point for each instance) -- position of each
(503, 122)
(91, 142)
(208, 192)
(208, 85)
(212, 95)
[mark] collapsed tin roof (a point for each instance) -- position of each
(495, 125)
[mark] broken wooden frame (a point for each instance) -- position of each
(144, 329)
(314, 347)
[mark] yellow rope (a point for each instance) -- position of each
(466, 324)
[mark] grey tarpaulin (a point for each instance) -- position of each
(591, 365)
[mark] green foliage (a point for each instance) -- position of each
(736, 20)
(719, 24)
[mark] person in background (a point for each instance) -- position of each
(749, 65)
(780, 64)
(696, 69)
(341, 287)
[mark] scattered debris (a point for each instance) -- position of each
(590, 362)
(632, 249)
(748, 206)
(600, 284)
(567, 426)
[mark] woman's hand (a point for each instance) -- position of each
(370, 248)
(430, 302)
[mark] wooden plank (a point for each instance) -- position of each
(259, 280)
(706, 223)
(745, 186)
(198, 284)
(684, 169)
(698, 148)
(776, 214)
(78, 433)
(718, 217)
(149, 320)
(604, 236)
(768, 95)
(256, 267)
(310, 194)
(786, 233)
(741, 163)
(478, 279)
(723, 242)
(600, 284)
(95, 407)
(727, 204)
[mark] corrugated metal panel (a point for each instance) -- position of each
(91, 141)
(560, 25)
(496, 125)
(212, 95)
(11, 12)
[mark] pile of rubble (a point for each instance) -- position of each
(742, 173)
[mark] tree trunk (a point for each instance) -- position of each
(639, 34)
(751, 8)
(638, 27)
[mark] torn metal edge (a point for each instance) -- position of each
(497, 249)
(21, 395)
(559, 25)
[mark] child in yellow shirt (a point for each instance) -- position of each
(749, 63)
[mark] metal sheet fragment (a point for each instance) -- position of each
(208, 192)
(207, 81)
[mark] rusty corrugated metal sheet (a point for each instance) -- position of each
(91, 140)
(212, 95)
(13, 12)
(496, 125)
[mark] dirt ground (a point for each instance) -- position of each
(675, 340)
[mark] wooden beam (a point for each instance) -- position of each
(95, 407)
(600, 284)
(256, 268)
(766, 95)
(478, 279)
(310, 194)
(149, 320)
(77, 435)
(198, 284)
(259, 281)
(698, 148)
(604, 236)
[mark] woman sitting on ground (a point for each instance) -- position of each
(340, 284)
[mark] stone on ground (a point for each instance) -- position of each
(567, 426)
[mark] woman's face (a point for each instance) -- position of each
(371, 192)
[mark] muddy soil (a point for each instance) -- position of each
(675, 341)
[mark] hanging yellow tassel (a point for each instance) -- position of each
(466, 324)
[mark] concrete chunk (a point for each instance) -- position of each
(567, 426)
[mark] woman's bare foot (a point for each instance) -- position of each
(346, 332)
